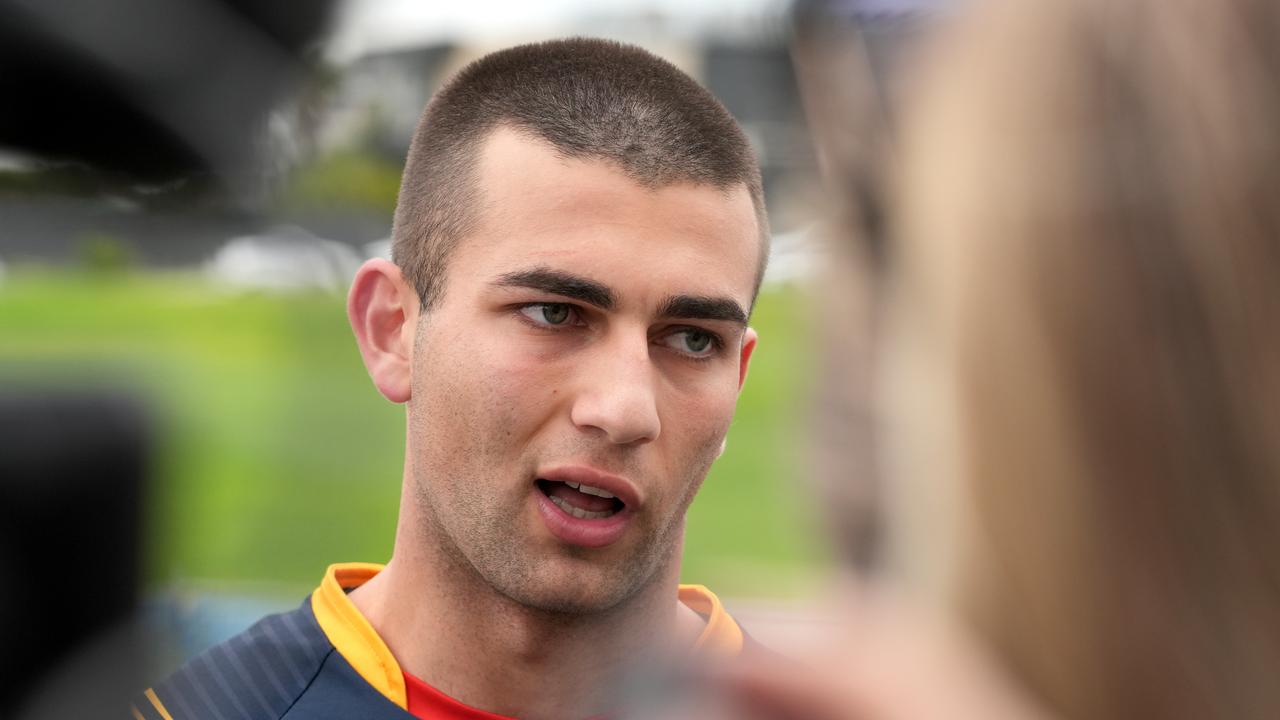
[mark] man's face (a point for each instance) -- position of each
(591, 333)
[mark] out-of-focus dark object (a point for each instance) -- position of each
(149, 90)
(72, 470)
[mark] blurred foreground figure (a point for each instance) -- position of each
(1082, 376)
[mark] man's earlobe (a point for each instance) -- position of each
(383, 311)
(749, 339)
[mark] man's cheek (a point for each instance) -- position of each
(514, 401)
(703, 418)
(696, 441)
(530, 382)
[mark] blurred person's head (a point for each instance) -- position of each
(1088, 378)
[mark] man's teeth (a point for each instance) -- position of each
(588, 490)
(579, 512)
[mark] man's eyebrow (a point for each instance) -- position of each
(557, 282)
(701, 307)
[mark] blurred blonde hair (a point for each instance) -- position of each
(1089, 273)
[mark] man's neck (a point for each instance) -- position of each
(489, 652)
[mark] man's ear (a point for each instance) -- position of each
(383, 310)
(749, 339)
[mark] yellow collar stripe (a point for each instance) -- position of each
(155, 703)
(352, 634)
(361, 646)
(721, 635)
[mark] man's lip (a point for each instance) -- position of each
(618, 486)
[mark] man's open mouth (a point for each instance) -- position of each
(581, 501)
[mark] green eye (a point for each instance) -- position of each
(549, 314)
(696, 341)
(693, 342)
(555, 313)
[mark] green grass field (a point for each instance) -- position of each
(276, 456)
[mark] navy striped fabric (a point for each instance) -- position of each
(282, 667)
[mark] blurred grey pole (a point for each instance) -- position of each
(849, 56)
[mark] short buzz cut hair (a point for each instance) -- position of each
(589, 99)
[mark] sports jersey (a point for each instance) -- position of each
(324, 661)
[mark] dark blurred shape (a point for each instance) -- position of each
(71, 482)
(149, 91)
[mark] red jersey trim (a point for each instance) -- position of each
(428, 702)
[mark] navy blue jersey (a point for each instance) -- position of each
(324, 660)
(282, 667)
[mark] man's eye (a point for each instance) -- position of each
(691, 341)
(550, 314)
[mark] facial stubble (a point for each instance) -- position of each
(473, 522)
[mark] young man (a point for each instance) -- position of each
(578, 243)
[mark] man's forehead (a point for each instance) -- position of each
(541, 207)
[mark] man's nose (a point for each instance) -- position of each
(617, 393)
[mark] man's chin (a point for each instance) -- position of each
(575, 596)
(573, 587)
